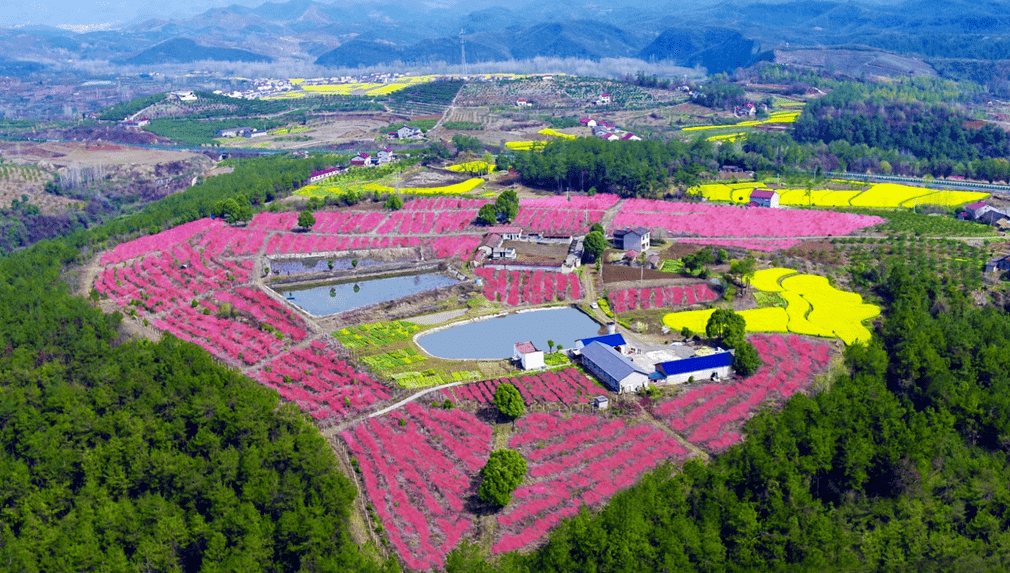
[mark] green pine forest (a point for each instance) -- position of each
(125, 455)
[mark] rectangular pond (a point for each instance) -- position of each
(492, 339)
(333, 298)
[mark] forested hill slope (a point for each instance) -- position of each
(900, 466)
(127, 456)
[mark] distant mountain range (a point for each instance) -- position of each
(718, 37)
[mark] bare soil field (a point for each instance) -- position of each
(89, 154)
(856, 62)
(622, 273)
(432, 178)
(535, 253)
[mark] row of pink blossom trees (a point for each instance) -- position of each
(417, 465)
(660, 297)
(712, 414)
(320, 383)
(567, 386)
(528, 287)
(575, 460)
(704, 220)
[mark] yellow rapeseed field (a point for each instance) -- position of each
(881, 195)
(473, 167)
(767, 280)
(814, 307)
(524, 145)
(455, 189)
(555, 133)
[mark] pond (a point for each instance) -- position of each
(492, 339)
(334, 298)
(296, 266)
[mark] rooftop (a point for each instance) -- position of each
(504, 229)
(761, 194)
(717, 360)
(609, 340)
(525, 347)
(611, 361)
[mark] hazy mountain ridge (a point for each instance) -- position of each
(718, 37)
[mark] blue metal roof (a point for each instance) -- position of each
(611, 361)
(609, 340)
(695, 364)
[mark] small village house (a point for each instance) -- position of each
(507, 232)
(629, 239)
(764, 198)
(317, 176)
(527, 355)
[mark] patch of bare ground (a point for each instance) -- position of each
(101, 154)
(538, 254)
(855, 62)
(623, 273)
(432, 178)
(680, 250)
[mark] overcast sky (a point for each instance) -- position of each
(97, 12)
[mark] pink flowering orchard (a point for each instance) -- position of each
(417, 460)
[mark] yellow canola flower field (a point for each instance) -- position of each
(818, 197)
(555, 133)
(730, 137)
(888, 195)
(524, 145)
(336, 190)
(814, 307)
(775, 117)
(881, 195)
(947, 198)
(455, 189)
(728, 192)
(473, 167)
(771, 319)
(767, 280)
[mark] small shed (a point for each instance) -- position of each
(527, 355)
(764, 198)
(601, 402)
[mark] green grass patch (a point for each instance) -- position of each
(422, 124)
(428, 378)
(673, 266)
(463, 125)
(766, 299)
(394, 359)
(375, 334)
(937, 225)
(555, 359)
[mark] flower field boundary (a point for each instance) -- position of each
(575, 460)
(567, 386)
(320, 383)
(417, 465)
(533, 287)
(660, 297)
(712, 415)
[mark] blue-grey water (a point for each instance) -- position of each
(331, 299)
(492, 339)
(296, 266)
